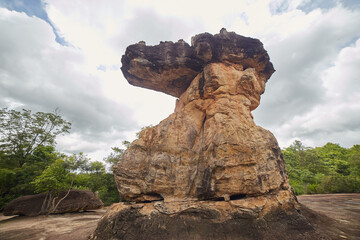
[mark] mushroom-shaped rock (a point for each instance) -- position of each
(207, 171)
(170, 67)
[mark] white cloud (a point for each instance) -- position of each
(313, 95)
(40, 74)
(300, 60)
(337, 118)
(86, 26)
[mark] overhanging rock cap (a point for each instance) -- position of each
(170, 67)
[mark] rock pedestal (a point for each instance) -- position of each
(210, 148)
(207, 171)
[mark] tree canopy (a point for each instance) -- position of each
(327, 169)
(29, 162)
(51, 172)
(22, 132)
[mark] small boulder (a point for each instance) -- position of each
(77, 200)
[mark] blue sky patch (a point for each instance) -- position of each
(32, 8)
(328, 4)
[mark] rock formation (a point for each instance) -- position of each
(170, 67)
(207, 171)
(30, 205)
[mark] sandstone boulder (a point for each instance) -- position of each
(30, 205)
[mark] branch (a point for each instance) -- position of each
(72, 181)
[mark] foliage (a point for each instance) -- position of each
(109, 193)
(29, 163)
(16, 181)
(116, 154)
(96, 179)
(327, 169)
(22, 132)
(54, 178)
(50, 172)
(85, 174)
(78, 162)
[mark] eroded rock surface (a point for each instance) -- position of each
(170, 67)
(30, 205)
(207, 171)
(209, 148)
(252, 218)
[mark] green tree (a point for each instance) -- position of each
(22, 132)
(353, 157)
(97, 167)
(98, 180)
(16, 181)
(54, 179)
(78, 162)
(327, 169)
(116, 154)
(26, 148)
(67, 172)
(109, 193)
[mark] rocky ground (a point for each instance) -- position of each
(343, 208)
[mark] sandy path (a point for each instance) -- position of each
(77, 226)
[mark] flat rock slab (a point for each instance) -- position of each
(342, 207)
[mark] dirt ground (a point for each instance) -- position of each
(343, 208)
(69, 226)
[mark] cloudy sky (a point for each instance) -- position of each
(66, 55)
